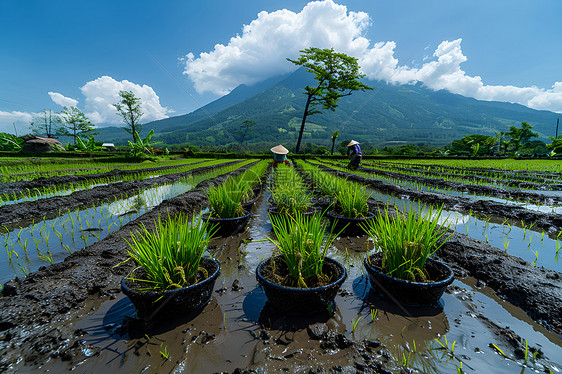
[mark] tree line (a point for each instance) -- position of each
(72, 122)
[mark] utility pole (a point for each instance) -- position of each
(557, 122)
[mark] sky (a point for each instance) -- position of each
(180, 55)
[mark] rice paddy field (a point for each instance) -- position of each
(65, 225)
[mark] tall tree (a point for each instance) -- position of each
(335, 135)
(130, 109)
(520, 136)
(337, 76)
(75, 123)
(46, 123)
(245, 128)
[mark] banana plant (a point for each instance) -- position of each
(9, 142)
(141, 145)
(80, 145)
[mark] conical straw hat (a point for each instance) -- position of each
(353, 142)
(280, 150)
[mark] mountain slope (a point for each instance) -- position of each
(385, 115)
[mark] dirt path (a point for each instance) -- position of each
(22, 214)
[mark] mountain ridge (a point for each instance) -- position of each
(388, 114)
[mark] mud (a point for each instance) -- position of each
(551, 223)
(34, 311)
(14, 187)
(542, 184)
(72, 315)
(531, 175)
(22, 214)
(536, 290)
(481, 190)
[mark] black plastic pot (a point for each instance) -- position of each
(406, 292)
(322, 202)
(229, 226)
(158, 305)
(292, 300)
(273, 211)
(350, 226)
(248, 204)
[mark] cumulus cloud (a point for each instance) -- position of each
(445, 73)
(20, 120)
(62, 100)
(260, 53)
(103, 92)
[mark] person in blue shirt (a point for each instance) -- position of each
(354, 153)
(280, 156)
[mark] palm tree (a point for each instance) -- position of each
(334, 137)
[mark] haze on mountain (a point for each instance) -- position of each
(389, 114)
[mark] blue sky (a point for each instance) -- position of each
(83, 52)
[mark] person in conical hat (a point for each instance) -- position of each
(280, 155)
(354, 153)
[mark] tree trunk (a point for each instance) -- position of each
(333, 144)
(303, 122)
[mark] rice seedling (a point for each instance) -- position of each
(288, 191)
(374, 313)
(164, 353)
(170, 256)
(354, 324)
(225, 200)
(497, 349)
(407, 241)
(301, 242)
(352, 200)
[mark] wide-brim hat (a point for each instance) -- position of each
(353, 142)
(280, 150)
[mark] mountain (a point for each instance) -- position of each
(388, 114)
(239, 94)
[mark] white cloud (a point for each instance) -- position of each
(62, 100)
(260, 53)
(446, 73)
(21, 121)
(103, 92)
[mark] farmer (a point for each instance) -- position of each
(280, 156)
(354, 152)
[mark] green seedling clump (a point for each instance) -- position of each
(171, 254)
(301, 242)
(406, 242)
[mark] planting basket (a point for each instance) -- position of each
(229, 226)
(293, 300)
(353, 224)
(406, 292)
(157, 305)
(248, 204)
(323, 202)
(274, 212)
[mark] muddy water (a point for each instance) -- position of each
(529, 244)
(238, 330)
